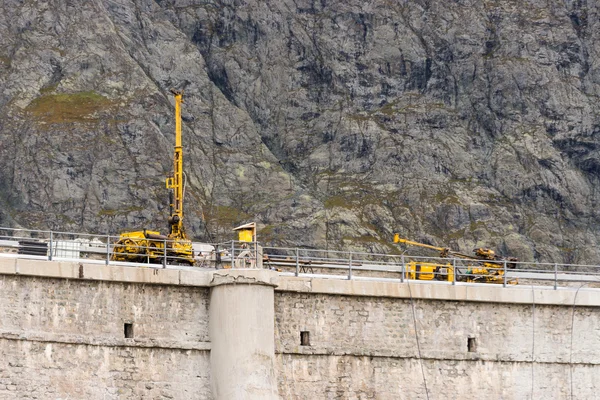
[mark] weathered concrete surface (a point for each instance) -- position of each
(388, 378)
(389, 327)
(62, 336)
(236, 334)
(98, 310)
(242, 333)
(370, 345)
(42, 370)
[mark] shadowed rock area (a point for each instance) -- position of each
(332, 124)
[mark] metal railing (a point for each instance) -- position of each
(451, 270)
(161, 252)
(109, 249)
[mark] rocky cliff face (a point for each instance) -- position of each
(331, 123)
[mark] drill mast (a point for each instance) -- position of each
(176, 181)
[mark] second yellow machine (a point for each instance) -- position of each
(151, 246)
(484, 266)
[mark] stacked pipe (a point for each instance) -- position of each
(33, 248)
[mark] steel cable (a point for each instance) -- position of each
(412, 303)
(532, 339)
(571, 347)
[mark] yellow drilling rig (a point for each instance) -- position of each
(151, 246)
(484, 266)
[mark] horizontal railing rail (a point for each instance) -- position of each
(161, 252)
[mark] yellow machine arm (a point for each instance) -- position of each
(398, 239)
(444, 251)
(175, 181)
(482, 256)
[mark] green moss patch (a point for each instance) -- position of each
(339, 201)
(226, 216)
(107, 212)
(68, 107)
(5, 61)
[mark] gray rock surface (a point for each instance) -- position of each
(332, 123)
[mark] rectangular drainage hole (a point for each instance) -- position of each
(128, 330)
(304, 338)
(471, 345)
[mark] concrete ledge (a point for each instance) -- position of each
(440, 291)
(195, 278)
(135, 274)
(130, 274)
(434, 356)
(55, 269)
(517, 294)
(101, 272)
(8, 266)
(106, 342)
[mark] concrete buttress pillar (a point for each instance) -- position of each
(242, 335)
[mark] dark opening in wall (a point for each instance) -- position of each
(471, 344)
(304, 338)
(128, 330)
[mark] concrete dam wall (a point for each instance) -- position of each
(85, 331)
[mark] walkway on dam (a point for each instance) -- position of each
(96, 249)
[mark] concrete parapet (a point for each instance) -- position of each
(102, 272)
(519, 294)
(54, 269)
(129, 274)
(487, 293)
(8, 265)
(194, 278)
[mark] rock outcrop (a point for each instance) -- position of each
(332, 123)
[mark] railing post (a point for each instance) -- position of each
(454, 271)
(164, 253)
(255, 254)
(297, 262)
(350, 267)
(504, 280)
(107, 249)
(50, 248)
(403, 269)
(555, 276)
(232, 254)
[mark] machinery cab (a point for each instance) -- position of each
(426, 271)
